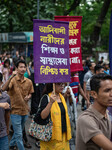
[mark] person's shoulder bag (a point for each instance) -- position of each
(41, 128)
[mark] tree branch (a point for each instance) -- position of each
(73, 7)
(99, 22)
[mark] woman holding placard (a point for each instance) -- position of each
(56, 108)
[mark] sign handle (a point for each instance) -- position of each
(54, 88)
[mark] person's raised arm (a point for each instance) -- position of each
(45, 112)
(6, 85)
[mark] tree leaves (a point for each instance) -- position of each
(18, 15)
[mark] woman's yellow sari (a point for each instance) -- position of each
(58, 141)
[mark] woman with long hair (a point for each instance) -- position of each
(56, 108)
(6, 70)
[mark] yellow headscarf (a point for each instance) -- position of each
(56, 119)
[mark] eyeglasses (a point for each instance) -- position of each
(60, 84)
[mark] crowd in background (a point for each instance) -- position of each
(79, 84)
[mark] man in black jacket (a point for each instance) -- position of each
(38, 89)
(35, 100)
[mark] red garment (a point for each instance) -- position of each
(75, 85)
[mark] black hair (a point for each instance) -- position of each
(96, 80)
(15, 60)
(1, 77)
(31, 56)
(8, 53)
(6, 61)
(98, 67)
(90, 64)
(32, 64)
(48, 88)
(22, 56)
(87, 62)
(20, 61)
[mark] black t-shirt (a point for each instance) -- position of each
(35, 99)
(63, 117)
(44, 103)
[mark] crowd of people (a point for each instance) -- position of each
(17, 87)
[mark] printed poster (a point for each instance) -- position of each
(74, 41)
(51, 51)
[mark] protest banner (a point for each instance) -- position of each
(51, 51)
(74, 41)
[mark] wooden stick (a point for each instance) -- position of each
(54, 88)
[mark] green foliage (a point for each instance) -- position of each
(18, 15)
(90, 14)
